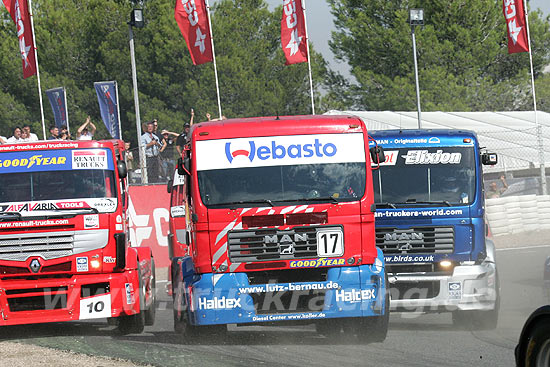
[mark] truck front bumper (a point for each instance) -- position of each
(230, 298)
(80, 297)
(469, 287)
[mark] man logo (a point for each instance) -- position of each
(35, 265)
(286, 248)
(405, 247)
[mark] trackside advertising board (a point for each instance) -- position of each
(279, 151)
(55, 160)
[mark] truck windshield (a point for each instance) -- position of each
(36, 175)
(57, 185)
(418, 176)
(293, 183)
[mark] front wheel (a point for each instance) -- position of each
(537, 351)
(150, 312)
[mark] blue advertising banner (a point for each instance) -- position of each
(108, 106)
(59, 105)
(55, 160)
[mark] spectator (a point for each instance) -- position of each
(3, 140)
(64, 133)
(183, 138)
(24, 136)
(209, 118)
(16, 138)
(494, 191)
(152, 147)
(155, 129)
(32, 136)
(54, 132)
(86, 131)
(167, 152)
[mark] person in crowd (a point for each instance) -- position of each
(32, 136)
(86, 131)
(152, 147)
(183, 138)
(24, 136)
(209, 118)
(494, 191)
(16, 137)
(64, 133)
(54, 133)
(167, 152)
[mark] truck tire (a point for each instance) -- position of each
(479, 320)
(134, 324)
(537, 350)
(150, 312)
(375, 329)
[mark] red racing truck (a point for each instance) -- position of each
(279, 226)
(64, 245)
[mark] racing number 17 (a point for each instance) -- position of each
(329, 243)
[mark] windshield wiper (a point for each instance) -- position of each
(414, 201)
(385, 204)
(326, 198)
(267, 201)
(9, 216)
(90, 209)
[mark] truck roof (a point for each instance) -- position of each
(60, 144)
(276, 125)
(424, 137)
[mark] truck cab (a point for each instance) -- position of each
(64, 245)
(280, 227)
(430, 224)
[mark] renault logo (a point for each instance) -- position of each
(35, 265)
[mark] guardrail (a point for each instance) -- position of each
(516, 214)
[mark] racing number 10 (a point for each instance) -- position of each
(95, 307)
(330, 243)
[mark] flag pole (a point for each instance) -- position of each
(29, 3)
(214, 58)
(308, 59)
(66, 111)
(118, 112)
(538, 125)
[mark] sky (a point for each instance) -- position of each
(320, 25)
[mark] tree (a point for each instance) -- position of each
(83, 41)
(462, 55)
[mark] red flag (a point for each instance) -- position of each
(192, 19)
(293, 32)
(516, 28)
(19, 12)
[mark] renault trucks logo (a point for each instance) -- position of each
(275, 150)
(35, 265)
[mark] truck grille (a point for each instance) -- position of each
(50, 245)
(270, 244)
(430, 240)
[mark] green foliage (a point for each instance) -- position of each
(462, 54)
(83, 41)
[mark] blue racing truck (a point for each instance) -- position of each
(430, 224)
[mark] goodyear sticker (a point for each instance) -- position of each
(315, 263)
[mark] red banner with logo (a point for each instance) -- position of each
(192, 19)
(19, 12)
(516, 28)
(293, 32)
(149, 212)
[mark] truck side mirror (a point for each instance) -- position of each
(184, 167)
(489, 159)
(122, 170)
(169, 185)
(377, 154)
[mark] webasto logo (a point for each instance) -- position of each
(279, 151)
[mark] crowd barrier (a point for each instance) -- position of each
(149, 212)
(516, 214)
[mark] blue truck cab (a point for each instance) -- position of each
(430, 224)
